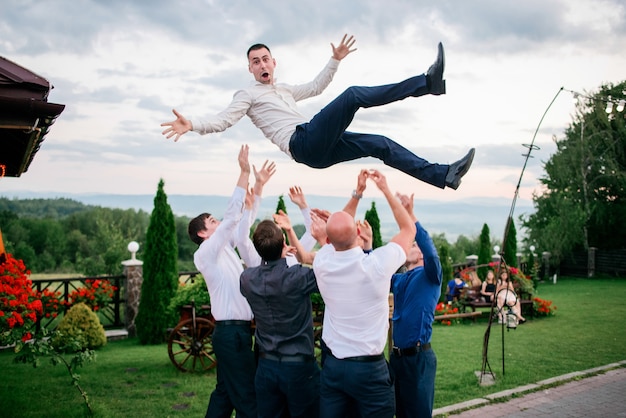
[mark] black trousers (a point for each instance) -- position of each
(236, 368)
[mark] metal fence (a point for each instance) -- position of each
(112, 315)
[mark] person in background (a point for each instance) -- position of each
(488, 287)
(506, 297)
(453, 289)
(415, 293)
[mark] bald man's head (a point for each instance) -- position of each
(341, 230)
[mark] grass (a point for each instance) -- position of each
(128, 379)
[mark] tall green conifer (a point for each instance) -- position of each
(484, 251)
(371, 216)
(160, 272)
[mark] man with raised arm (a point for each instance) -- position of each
(355, 289)
(415, 293)
(221, 267)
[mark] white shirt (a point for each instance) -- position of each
(355, 288)
(221, 267)
(271, 107)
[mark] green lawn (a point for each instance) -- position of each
(131, 380)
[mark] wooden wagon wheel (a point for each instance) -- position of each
(191, 348)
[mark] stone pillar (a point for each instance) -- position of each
(133, 270)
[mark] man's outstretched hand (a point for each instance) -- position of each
(177, 127)
(342, 51)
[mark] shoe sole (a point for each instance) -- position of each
(455, 185)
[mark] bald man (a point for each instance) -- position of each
(355, 288)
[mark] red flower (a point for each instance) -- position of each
(96, 294)
(20, 306)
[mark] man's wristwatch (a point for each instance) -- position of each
(356, 195)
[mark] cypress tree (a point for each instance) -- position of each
(281, 206)
(446, 268)
(371, 216)
(484, 251)
(160, 272)
(510, 246)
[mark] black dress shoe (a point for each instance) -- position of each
(434, 75)
(458, 170)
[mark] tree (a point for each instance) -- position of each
(582, 202)
(484, 251)
(160, 272)
(463, 247)
(371, 216)
(510, 245)
(281, 206)
(446, 267)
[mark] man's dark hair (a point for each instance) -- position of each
(256, 47)
(268, 240)
(196, 225)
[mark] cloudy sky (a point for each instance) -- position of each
(121, 66)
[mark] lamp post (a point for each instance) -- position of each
(496, 254)
(133, 247)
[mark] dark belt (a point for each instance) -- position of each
(411, 351)
(294, 358)
(365, 359)
(233, 322)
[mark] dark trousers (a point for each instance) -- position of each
(353, 388)
(414, 380)
(287, 389)
(324, 141)
(236, 366)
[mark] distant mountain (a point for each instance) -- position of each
(461, 217)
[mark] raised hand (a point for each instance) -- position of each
(406, 200)
(244, 164)
(265, 173)
(282, 220)
(380, 180)
(177, 127)
(342, 51)
(297, 197)
(318, 227)
(407, 203)
(323, 214)
(361, 182)
(366, 233)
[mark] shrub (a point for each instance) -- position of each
(82, 325)
(185, 293)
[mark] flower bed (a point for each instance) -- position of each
(20, 306)
(446, 309)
